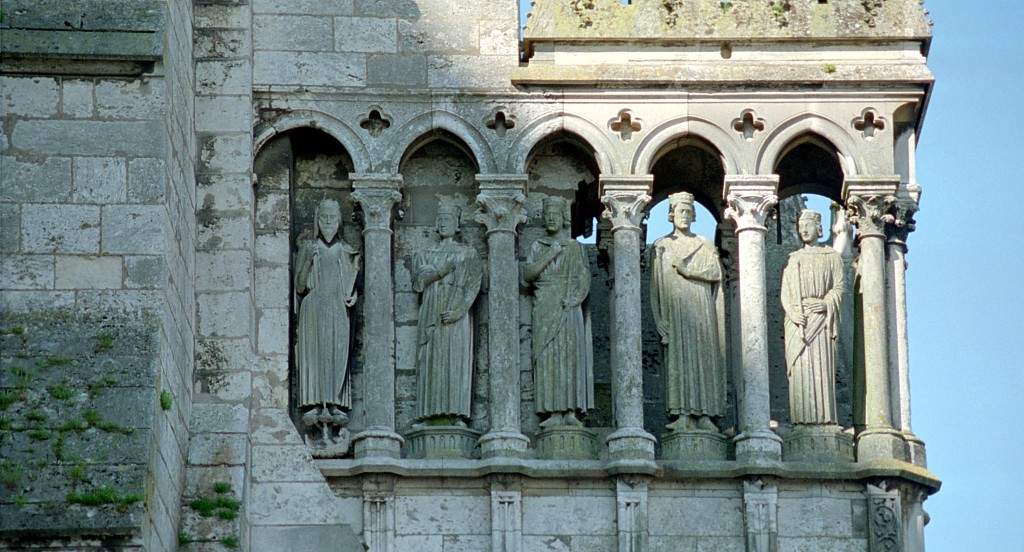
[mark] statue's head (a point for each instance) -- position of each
(328, 218)
(809, 226)
(680, 210)
(448, 216)
(555, 214)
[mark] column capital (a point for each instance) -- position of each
(625, 198)
(501, 203)
(869, 202)
(903, 222)
(376, 195)
(750, 199)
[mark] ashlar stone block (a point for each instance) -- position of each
(36, 181)
(26, 272)
(303, 33)
(88, 272)
(77, 98)
(29, 96)
(366, 34)
(134, 228)
(60, 228)
(100, 180)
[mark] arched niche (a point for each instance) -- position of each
(436, 166)
(565, 164)
(295, 169)
(811, 176)
(905, 144)
(686, 164)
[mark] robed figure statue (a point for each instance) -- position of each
(563, 360)
(686, 277)
(325, 276)
(812, 291)
(448, 278)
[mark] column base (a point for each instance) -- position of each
(758, 446)
(696, 446)
(817, 443)
(566, 443)
(915, 449)
(434, 442)
(880, 444)
(630, 444)
(503, 444)
(378, 443)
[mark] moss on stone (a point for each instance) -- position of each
(230, 541)
(36, 415)
(10, 475)
(222, 487)
(13, 330)
(104, 342)
(166, 400)
(39, 434)
(61, 391)
(103, 496)
(7, 398)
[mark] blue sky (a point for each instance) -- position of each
(965, 303)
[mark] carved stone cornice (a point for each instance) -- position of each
(750, 200)
(870, 202)
(501, 203)
(625, 199)
(376, 195)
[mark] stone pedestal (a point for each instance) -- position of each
(566, 443)
(750, 200)
(814, 443)
(694, 446)
(434, 442)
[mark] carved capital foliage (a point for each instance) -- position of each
(625, 208)
(501, 211)
(377, 204)
(903, 222)
(870, 213)
(750, 209)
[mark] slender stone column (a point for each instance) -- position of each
(750, 200)
(501, 209)
(899, 345)
(870, 201)
(377, 194)
(625, 199)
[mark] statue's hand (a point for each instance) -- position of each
(452, 316)
(798, 318)
(817, 306)
(568, 303)
(664, 339)
(351, 300)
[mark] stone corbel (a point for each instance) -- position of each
(506, 514)
(760, 515)
(379, 513)
(631, 515)
(885, 519)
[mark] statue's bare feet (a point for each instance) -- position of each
(706, 424)
(554, 420)
(679, 424)
(570, 419)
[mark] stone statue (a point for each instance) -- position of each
(325, 276)
(563, 360)
(686, 276)
(448, 278)
(812, 292)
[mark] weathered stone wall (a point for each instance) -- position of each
(97, 197)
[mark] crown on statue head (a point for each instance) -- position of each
(810, 214)
(685, 198)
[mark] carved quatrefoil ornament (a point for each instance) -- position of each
(748, 123)
(869, 123)
(500, 121)
(625, 124)
(376, 121)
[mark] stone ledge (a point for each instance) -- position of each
(595, 469)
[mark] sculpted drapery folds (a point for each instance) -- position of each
(325, 276)
(448, 278)
(812, 290)
(563, 362)
(686, 275)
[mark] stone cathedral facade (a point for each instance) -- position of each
(379, 275)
